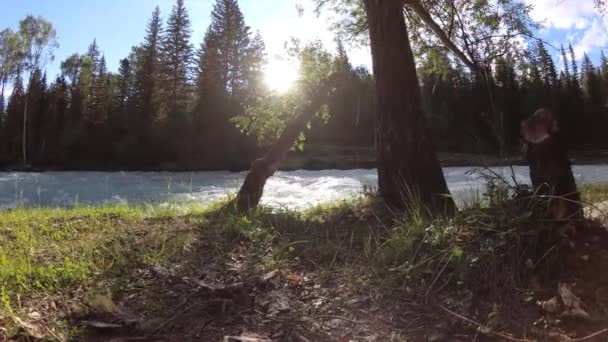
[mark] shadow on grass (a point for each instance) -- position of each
(347, 269)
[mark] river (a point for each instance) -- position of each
(293, 189)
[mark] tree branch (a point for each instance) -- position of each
(417, 7)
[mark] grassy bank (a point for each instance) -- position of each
(189, 273)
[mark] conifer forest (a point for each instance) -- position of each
(178, 106)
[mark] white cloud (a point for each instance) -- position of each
(596, 36)
(571, 21)
(563, 14)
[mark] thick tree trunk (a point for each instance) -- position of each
(261, 169)
(409, 172)
(550, 167)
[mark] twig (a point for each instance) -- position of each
(496, 333)
(588, 337)
(341, 318)
(179, 310)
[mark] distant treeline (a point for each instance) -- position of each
(171, 105)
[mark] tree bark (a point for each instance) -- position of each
(3, 101)
(261, 169)
(550, 167)
(409, 173)
(24, 136)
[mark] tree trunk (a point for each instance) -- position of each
(550, 167)
(261, 169)
(2, 100)
(409, 173)
(24, 136)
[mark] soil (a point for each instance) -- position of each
(223, 292)
(215, 295)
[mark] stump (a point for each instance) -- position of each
(550, 167)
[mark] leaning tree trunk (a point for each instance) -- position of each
(261, 169)
(409, 172)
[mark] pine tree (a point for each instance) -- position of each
(545, 62)
(150, 71)
(604, 66)
(238, 56)
(100, 92)
(2, 105)
(124, 86)
(566, 66)
(592, 90)
(38, 112)
(177, 55)
(254, 68)
(57, 123)
(575, 74)
(587, 65)
(14, 111)
(230, 64)
(572, 105)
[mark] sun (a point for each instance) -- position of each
(280, 75)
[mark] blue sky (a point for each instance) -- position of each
(119, 24)
(572, 21)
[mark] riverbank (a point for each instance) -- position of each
(330, 273)
(317, 158)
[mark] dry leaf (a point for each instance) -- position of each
(294, 278)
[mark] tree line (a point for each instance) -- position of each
(171, 105)
(470, 114)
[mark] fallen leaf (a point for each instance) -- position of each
(294, 278)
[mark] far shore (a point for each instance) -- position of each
(346, 161)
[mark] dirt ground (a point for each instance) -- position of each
(231, 289)
(212, 296)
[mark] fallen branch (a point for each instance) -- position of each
(588, 337)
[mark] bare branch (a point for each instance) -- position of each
(417, 7)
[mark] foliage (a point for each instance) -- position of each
(91, 118)
(320, 72)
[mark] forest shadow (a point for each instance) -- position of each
(358, 269)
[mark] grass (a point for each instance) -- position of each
(47, 250)
(594, 193)
(50, 252)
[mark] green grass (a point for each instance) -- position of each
(594, 193)
(49, 251)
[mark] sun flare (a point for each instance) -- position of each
(280, 75)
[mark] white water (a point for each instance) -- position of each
(295, 190)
